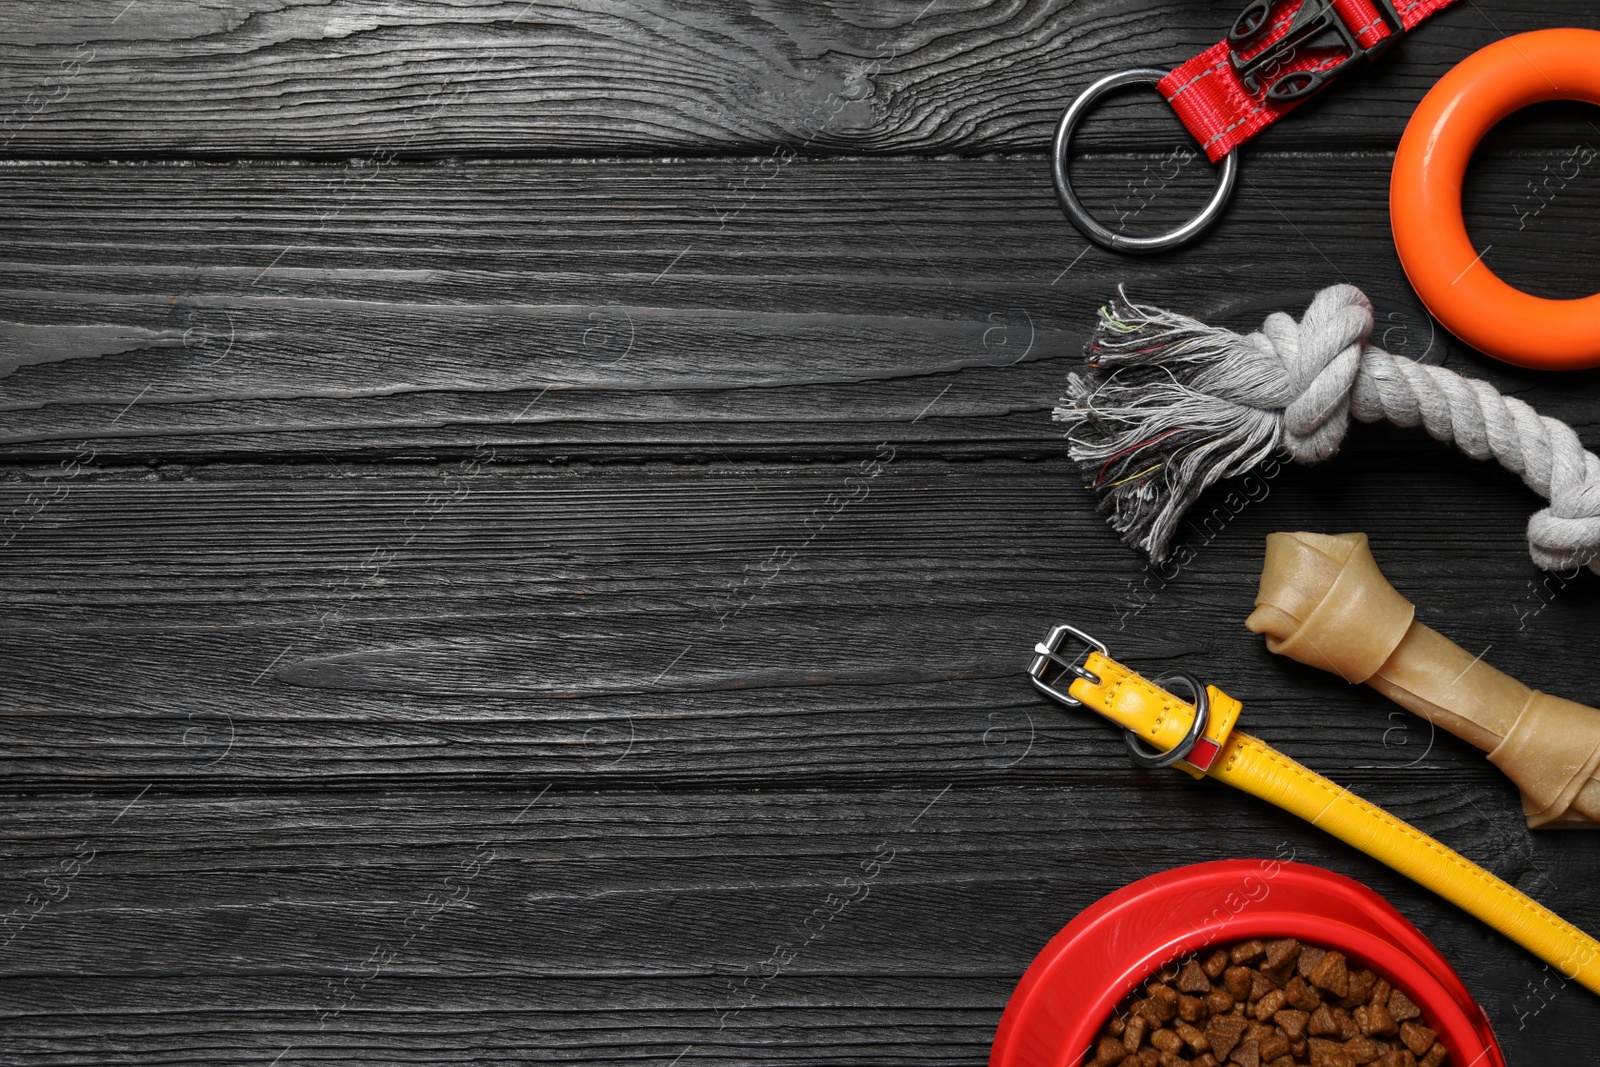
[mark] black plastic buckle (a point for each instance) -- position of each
(1316, 25)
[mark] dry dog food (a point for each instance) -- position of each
(1267, 1004)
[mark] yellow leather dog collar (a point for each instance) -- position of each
(1198, 738)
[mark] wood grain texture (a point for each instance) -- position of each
(473, 610)
(553, 926)
(607, 311)
(309, 78)
(726, 625)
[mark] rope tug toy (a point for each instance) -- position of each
(1171, 406)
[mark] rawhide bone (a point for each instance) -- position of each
(1324, 602)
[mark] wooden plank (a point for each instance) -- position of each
(300, 78)
(606, 311)
(557, 926)
(350, 506)
(746, 624)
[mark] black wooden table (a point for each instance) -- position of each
(513, 504)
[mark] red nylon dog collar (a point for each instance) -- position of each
(1277, 57)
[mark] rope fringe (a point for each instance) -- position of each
(1171, 406)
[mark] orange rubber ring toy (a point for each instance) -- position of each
(1447, 272)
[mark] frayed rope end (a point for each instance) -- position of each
(1158, 418)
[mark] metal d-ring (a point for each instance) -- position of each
(1147, 757)
(1085, 222)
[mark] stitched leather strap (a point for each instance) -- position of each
(1155, 715)
(1224, 94)
(1252, 766)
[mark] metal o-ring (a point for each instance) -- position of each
(1146, 757)
(1085, 222)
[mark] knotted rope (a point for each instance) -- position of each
(1171, 406)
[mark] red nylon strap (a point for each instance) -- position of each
(1222, 112)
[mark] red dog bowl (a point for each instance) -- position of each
(1086, 970)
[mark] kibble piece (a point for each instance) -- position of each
(1322, 1022)
(1194, 1038)
(1192, 979)
(1273, 1045)
(1133, 1036)
(1219, 1002)
(1247, 951)
(1107, 1051)
(1171, 1059)
(1380, 992)
(1347, 1024)
(1282, 1061)
(1206, 1059)
(1375, 1021)
(1310, 956)
(1399, 1057)
(1117, 1024)
(1248, 1054)
(1237, 982)
(1331, 973)
(1364, 1050)
(1325, 1053)
(1260, 985)
(1190, 1008)
(1300, 993)
(1268, 1005)
(1166, 1040)
(1292, 1022)
(1162, 1003)
(1224, 1033)
(1362, 985)
(1419, 1039)
(1215, 964)
(1436, 1056)
(1281, 957)
(1401, 1008)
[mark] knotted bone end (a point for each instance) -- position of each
(1552, 752)
(1324, 602)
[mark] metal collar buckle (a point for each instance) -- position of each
(1195, 749)
(1048, 651)
(1317, 24)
